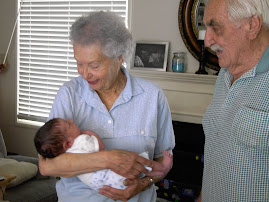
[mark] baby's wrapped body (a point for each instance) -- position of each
(96, 180)
(104, 177)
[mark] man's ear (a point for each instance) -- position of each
(67, 144)
(254, 26)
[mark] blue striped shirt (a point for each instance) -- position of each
(140, 120)
(236, 126)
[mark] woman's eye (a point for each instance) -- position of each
(93, 66)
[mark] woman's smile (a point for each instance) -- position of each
(93, 82)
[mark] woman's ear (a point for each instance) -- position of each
(254, 26)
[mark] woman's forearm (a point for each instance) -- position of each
(69, 164)
(125, 163)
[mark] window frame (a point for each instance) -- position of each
(33, 123)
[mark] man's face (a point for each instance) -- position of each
(226, 38)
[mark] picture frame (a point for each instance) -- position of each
(150, 55)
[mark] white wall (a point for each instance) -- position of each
(151, 20)
(158, 20)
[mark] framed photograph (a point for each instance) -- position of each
(150, 55)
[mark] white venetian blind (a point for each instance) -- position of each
(45, 52)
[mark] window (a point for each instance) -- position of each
(45, 54)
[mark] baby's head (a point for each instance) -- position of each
(55, 137)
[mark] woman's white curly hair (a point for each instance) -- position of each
(108, 29)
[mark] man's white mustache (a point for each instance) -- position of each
(216, 48)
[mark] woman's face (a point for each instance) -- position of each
(97, 69)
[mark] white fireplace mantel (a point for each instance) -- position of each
(188, 94)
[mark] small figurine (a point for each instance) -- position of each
(203, 55)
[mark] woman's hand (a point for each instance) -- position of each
(135, 186)
(127, 164)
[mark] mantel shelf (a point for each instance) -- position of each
(188, 94)
(173, 76)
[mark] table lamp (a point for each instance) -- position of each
(202, 57)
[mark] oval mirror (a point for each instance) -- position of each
(190, 21)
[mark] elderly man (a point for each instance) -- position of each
(236, 124)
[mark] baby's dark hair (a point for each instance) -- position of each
(49, 139)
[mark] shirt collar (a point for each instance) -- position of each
(263, 65)
(132, 87)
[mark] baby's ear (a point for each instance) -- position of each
(68, 143)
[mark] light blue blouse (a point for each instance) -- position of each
(140, 120)
(236, 127)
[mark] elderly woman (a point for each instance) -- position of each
(131, 115)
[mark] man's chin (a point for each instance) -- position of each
(222, 63)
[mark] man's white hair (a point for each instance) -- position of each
(241, 9)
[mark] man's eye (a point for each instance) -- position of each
(216, 30)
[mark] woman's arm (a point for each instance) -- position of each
(69, 164)
(125, 163)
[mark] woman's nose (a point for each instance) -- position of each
(85, 72)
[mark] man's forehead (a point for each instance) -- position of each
(212, 22)
(214, 11)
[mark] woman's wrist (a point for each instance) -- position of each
(105, 155)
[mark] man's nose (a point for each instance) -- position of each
(209, 38)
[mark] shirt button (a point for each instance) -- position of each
(109, 121)
(142, 132)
